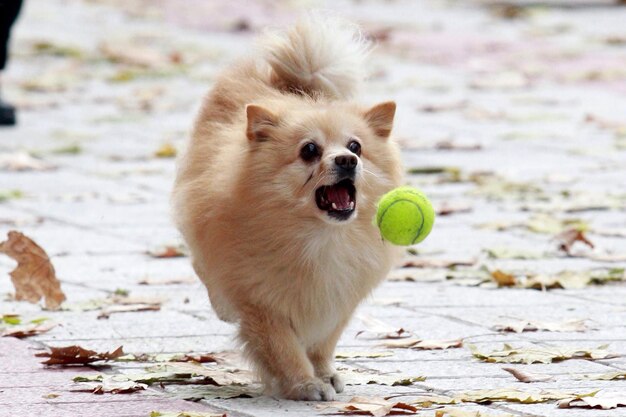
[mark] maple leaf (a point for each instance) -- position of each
(604, 401)
(377, 407)
(536, 354)
(519, 326)
(34, 277)
(76, 355)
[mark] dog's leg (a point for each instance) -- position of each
(322, 357)
(279, 357)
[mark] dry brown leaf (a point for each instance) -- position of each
(536, 354)
(420, 344)
(569, 237)
(503, 279)
(76, 355)
(604, 401)
(377, 407)
(34, 276)
(26, 330)
(519, 326)
(447, 209)
(524, 376)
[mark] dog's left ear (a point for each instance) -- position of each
(380, 118)
(260, 122)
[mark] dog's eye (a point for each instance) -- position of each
(355, 147)
(309, 152)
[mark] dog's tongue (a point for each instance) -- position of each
(340, 196)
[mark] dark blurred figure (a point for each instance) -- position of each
(9, 9)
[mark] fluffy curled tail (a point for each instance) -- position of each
(321, 54)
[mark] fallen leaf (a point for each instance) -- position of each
(379, 329)
(12, 319)
(353, 355)
(527, 377)
(420, 344)
(167, 150)
(171, 357)
(569, 237)
(503, 279)
(22, 161)
(528, 355)
(73, 355)
(604, 401)
(220, 376)
(519, 326)
(168, 251)
(27, 330)
(6, 195)
(353, 376)
(511, 395)
(377, 407)
(50, 396)
(34, 276)
(114, 384)
(611, 376)
(567, 279)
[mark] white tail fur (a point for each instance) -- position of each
(320, 54)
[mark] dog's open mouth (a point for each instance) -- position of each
(338, 200)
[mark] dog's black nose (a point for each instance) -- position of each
(347, 162)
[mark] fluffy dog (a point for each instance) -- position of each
(276, 197)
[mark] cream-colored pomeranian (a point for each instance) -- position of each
(276, 197)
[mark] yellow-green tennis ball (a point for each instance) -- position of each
(405, 216)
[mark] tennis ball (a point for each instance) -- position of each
(405, 216)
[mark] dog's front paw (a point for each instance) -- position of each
(336, 381)
(313, 389)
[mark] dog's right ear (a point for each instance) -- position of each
(260, 122)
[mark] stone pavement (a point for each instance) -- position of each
(512, 120)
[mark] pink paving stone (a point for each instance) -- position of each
(24, 382)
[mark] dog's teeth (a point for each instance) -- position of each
(351, 205)
(334, 206)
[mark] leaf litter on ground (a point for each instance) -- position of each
(538, 354)
(34, 277)
(521, 325)
(77, 355)
(373, 406)
(604, 401)
(423, 344)
(33, 328)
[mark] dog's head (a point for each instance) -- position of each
(327, 162)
